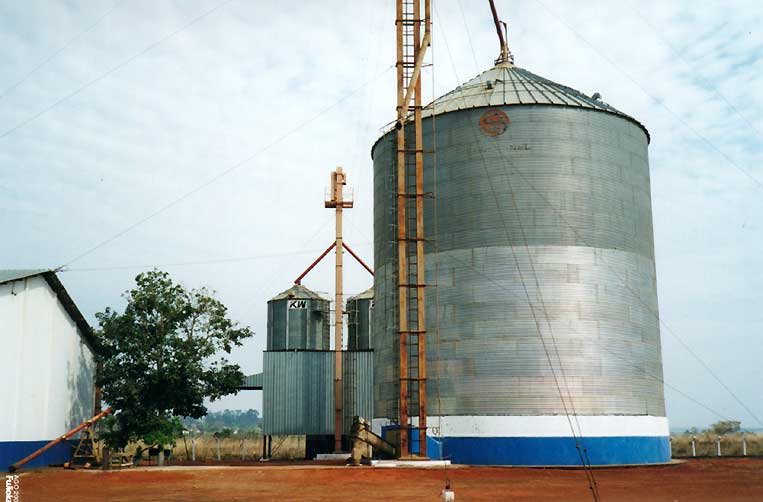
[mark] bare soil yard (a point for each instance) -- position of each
(701, 480)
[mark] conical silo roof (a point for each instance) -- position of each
(367, 294)
(300, 292)
(506, 84)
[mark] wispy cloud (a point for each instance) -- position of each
(221, 89)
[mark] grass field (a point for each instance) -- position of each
(705, 445)
(283, 448)
(293, 447)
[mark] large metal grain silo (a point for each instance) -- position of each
(298, 319)
(545, 284)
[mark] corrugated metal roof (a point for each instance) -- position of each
(252, 382)
(15, 275)
(506, 84)
(298, 291)
(63, 296)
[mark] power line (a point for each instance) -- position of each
(58, 51)
(212, 261)
(661, 102)
(715, 376)
(594, 487)
(585, 462)
(221, 174)
(698, 77)
(633, 292)
(657, 377)
(102, 76)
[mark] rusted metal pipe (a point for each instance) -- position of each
(370, 270)
(298, 280)
(86, 423)
(505, 54)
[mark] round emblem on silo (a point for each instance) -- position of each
(494, 122)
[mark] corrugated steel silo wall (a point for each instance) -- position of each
(359, 323)
(358, 385)
(298, 390)
(593, 256)
(304, 328)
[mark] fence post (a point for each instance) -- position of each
(718, 444)
(693, 446)
(193, 449)
(242, 449)
(744, 445)
(218, 449)
(670, 446)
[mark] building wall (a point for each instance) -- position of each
(46, 369)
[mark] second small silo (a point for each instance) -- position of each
(359, 309)
(298, 319)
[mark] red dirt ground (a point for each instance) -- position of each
(696, 481)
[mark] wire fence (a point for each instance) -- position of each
(713, 445)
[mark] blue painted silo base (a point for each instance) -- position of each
(434, 446)
(545, 440)
(555, 450)
(13, 451)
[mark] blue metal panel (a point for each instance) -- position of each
(556, 450)
(13, 451)
(434, 446)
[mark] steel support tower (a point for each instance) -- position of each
(338, 203)
(411, 48)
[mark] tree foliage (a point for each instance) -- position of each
(162, 357)
(219, 421)
(726, 427)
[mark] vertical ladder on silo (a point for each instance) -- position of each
(410, 220)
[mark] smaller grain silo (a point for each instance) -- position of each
(298, 319)
(359, 309)
(298, 379)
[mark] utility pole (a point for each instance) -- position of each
(337, 202)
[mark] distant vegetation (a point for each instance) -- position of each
(719, 428)
(225, 423)
(730, 433)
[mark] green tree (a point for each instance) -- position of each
(726, 427)
(162, 357)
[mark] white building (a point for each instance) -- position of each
(47, 369)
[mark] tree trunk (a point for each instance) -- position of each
(105, 458)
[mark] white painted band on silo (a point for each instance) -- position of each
(542, 426)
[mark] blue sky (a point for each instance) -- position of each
(151, 100)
